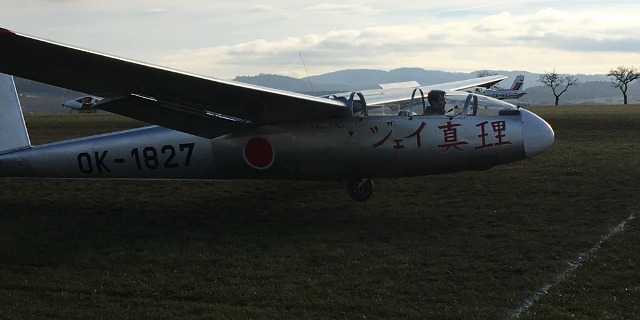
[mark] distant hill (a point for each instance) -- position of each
(359, 79)
(592, 89)
(585, 93)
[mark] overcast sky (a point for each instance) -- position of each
(228, 38)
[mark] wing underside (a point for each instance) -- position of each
(195, 104)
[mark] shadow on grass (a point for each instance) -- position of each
(51, 222)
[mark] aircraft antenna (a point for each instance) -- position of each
(305, 70)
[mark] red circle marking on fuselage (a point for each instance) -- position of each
(258, 153)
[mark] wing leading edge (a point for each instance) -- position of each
(195, 104)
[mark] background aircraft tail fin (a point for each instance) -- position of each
(518, 83)
(13, 131)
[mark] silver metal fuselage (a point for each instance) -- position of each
(334, 149)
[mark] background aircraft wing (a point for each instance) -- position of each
(400, 93)
(191, 103)
(485, 82)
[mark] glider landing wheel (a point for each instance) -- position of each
(360, 189)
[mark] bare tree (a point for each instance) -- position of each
(485, 73)
(622, 76)
(556, 82)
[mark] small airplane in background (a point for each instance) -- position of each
(84, 104)
(208, 128)
(514, 92)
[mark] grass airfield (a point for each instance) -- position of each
(553, 237)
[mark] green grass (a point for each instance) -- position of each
(471, 245)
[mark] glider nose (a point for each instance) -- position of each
(537, 134)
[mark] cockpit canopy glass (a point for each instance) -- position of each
(458, 104)
(471, 104)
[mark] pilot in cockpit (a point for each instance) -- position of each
(436, 103)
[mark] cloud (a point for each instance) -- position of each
(156, 10)
(336, 8)
(463, 45)
(262, 8)
(228, 38)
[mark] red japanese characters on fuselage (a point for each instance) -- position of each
(449, 135)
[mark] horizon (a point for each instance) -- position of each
(434, 70)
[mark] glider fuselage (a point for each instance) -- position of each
(333, 149)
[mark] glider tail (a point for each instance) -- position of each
(13, 131)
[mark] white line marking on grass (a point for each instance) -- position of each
(572, 266)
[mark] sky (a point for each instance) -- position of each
(229, 38)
